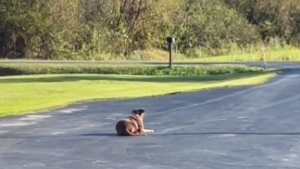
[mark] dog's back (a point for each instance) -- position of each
(131, 125)
(126, 127)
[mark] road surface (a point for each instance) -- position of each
(250, 128)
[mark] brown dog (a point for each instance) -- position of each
(133, 125)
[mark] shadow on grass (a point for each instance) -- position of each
(159, 79)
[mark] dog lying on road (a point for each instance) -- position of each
(133, 125)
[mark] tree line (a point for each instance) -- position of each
(93, 29)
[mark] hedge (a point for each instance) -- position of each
(29, 69)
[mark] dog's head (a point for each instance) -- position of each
(139, 112)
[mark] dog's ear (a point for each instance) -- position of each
(141, 111)
(135, 111)
(138, 111)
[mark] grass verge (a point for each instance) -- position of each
(29, 69)
(272, 54)
(255, 54)
(28, 94)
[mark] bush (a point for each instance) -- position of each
(118, 29)
(27, 69)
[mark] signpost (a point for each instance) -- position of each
(171, 43)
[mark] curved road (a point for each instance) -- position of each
(249, 128)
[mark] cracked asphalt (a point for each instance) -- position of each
(248, 127)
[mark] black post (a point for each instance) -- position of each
(170, 54)
(170, 42)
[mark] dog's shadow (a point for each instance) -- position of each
(100, 134)
(103, 135)
(190, 134)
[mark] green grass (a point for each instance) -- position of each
(272, 55)
(273, 51)
(28, 94)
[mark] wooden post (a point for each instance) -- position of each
(170, 42)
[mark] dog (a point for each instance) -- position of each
(133, 125)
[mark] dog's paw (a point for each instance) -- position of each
(149, 131)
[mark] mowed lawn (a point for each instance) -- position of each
(28, 94)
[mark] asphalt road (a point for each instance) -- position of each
(243, 128)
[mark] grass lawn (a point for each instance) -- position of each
(253, 54)
(28, 94)
(274, 52)
(287, 54)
